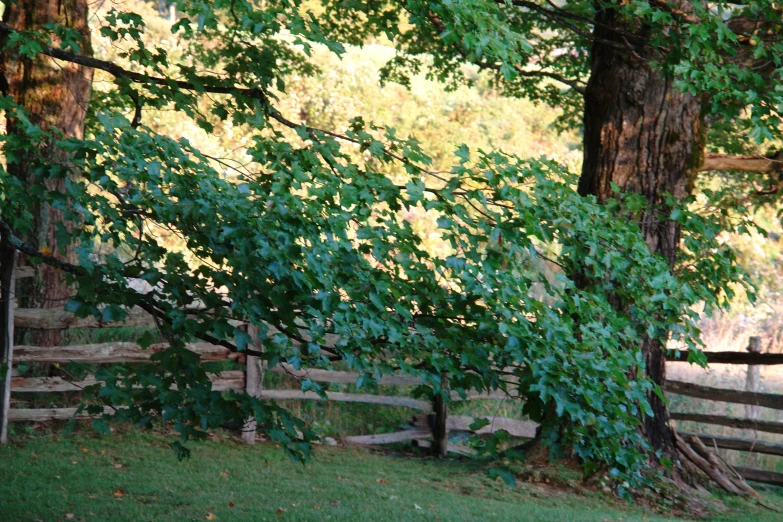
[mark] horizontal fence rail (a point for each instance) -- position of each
(760, 475)
(515, 428)
(756, 446)
(767, 400)
(731, 422)
(111, 353)
(406, 402)
(45, 414)
(729, 357)
(59, 319)
(231, 380)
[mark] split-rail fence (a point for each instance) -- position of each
(428, 428)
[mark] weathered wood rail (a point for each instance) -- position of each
(111, 353)
(756, 446)
(760, 475)
(230, 380)
(59, 319)
(730, 357)
(767, 400)
(731, 422)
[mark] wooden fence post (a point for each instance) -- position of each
(752, 381)
(7, 262)
(440, 435)
(254, 383)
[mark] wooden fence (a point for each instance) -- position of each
(432, 422)
(750, 397)
(251, 380)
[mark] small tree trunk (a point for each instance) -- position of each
(645, 136)
(440, 435)
(55, 96)
(7, 262)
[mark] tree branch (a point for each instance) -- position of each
(119, 72)
(741, 163)
(149, 307)
(574, 84)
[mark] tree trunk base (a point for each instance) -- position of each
(686, 488)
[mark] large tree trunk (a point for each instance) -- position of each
(647, 137)
(55, 95)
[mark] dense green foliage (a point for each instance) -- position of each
(534, 289)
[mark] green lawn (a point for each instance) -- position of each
(133, 477)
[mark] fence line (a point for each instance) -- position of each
(123, 352)
(422, 425)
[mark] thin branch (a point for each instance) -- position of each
(741, 163)
(574, 84)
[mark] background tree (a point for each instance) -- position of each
(307, 240)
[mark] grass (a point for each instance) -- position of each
(134, 477)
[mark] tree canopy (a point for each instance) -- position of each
(537, 289)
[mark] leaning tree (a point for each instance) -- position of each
(654, 85)
(307, 241)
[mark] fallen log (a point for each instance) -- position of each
(686, 451)
(712, 458)
(768, 400)
(732, 422)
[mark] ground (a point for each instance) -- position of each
(136, 477)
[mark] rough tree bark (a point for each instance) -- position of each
(647, 137)
(55, 95)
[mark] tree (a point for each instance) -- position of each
(54, 96)
(664, 80)
(646, 132)
(308, 244)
